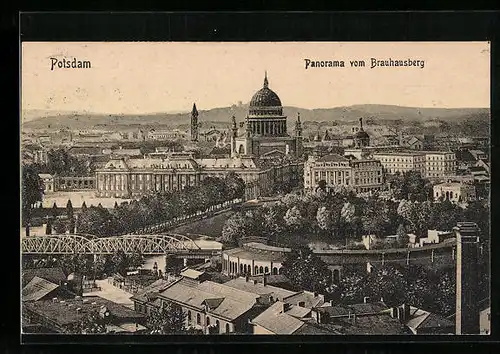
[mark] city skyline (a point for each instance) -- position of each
(233, 72)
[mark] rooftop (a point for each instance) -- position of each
(259, 288)
(424, 319)
(234, 304)
(65, 313)
(309, 299)
(145, 294)
(276, 320)
(54, 275)
(37, 289)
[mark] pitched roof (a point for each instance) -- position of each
(236, 302)
(310, 299)
(259, 288)
(192, 273)
(54, 275)
(275, 320)
(378, 324)
(424, 319)
(154, 288)
(37, 289)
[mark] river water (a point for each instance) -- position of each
(203, 242)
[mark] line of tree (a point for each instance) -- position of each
(343, 216)
(161, 207)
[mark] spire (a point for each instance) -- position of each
(266, 83)
(361, 124)
(298, 117)
(233, 119)
(194, 112)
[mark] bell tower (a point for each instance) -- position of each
(298, 136)
(194, 123)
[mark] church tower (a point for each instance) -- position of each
(234, 135)
(194, 123)
(298, 136)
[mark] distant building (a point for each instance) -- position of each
(440, 163)
(362, 175)
(455, 192)
(266, 128)
(48, 182)
(134, 177)
(401, 162)
(174, 134)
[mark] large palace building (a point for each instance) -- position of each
(263, 155)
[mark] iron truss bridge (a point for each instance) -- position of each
(89, 244)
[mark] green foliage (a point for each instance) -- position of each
(168, 320)
(69, 210)
(91, 323)
(31, 191)
(60, 162)
(161, 207)
(306, 271)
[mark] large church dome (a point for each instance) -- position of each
(265, 102)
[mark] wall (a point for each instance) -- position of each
(260, 330)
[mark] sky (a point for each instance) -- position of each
(151, 77)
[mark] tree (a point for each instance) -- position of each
(54, 211)
(293, 218)
(387, 282)
(69, 209)
(170, 319)
(235, 228)
(306, 271)
(120, 262)
(59, 227)
(91, 323)
(235, 185)
(32, 191)
(403, 238)
(324, 219)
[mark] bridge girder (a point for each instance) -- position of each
(78, 244)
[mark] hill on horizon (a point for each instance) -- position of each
(41, 119)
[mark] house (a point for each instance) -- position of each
(48, 182)
(454, 192)
(62, 316)
(41, 289)
(54, 275)
(209, 306)
(365, 319)
(420, 321)
(485, 317)
(435, 236)
(281, 318)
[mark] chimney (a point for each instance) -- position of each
(467, 258)
(406, 312)
(366, 299)
(286, 307)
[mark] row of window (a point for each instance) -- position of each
(232, 268)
